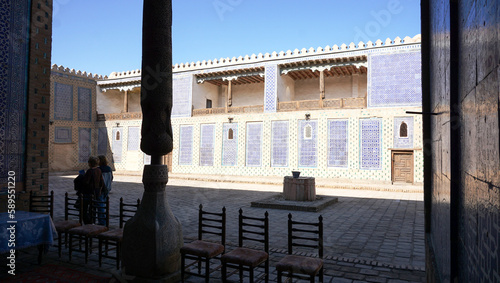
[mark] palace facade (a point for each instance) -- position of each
(340, 112)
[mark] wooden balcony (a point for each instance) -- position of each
(120, 116)
(222, 110)
(337, 103)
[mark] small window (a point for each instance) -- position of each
(403, 130)
(209, 103)
(308, 132)
(230, 134)
(117, 135)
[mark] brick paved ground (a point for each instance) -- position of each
(369, 236)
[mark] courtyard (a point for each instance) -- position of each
(370, 235)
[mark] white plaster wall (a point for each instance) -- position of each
(286, 88)
(363, 85)
(338, 87)
(134, 101)
(204, 91)
(109, 102)
(307, 89)
(221, 91)
(335, 87)
(248, 94)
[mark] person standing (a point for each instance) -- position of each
(92, 189)
(107, 175)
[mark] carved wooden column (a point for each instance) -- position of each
(125, 102)
(229, 93)
(153, 237)
(321, 86)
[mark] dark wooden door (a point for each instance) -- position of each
(402, 167)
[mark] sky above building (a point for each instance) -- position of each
(105, 36)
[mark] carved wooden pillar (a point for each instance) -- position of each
(229, 93)
(125, 102)
(321, 86)
(153, 237)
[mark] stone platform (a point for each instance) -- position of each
(279, 202)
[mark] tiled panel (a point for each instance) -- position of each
(62, 135)
(308, 143)
(229, 146)
(399, 141)
(254, 144)
(63, 101)
(207, 140)
(186, 145)
(279, 143)
(394, 80)
(134, 138)
(182, 97)
(102, 141)
(84, 104)
(370, 151)
(338, 149)
(13, 86)
(84, 144)
(271, 89)
(117, 144)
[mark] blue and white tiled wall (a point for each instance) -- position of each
(344, 144)
(73, 132)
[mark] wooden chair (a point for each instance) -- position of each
(42, 203)
(246, 259)
(200, 250)
(114, 237)
(62, 227)
(297, 237)
(89, 231)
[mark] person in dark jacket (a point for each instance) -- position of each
(91, 188)
(107, 175)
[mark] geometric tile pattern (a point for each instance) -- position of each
(254, 144)
(371, 149)
(117, 145)
(13, 86)
(186, 145)
(134, 138)
(84, 144)
(63, 101)
(308, 143)
(181, 95)
(229, 146)
(322, 170)
(207, 139)
(62, 135)
(403, 142)
(279, 143)
(338, 150)
(271, 90)
(84, 104)
(102, 141)
(395, 80)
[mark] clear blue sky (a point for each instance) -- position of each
(105, 36)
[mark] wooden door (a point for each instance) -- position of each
(402, 166)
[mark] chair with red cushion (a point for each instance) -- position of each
(247, 259)
(89, 231)
(202, 250)
(301, 237)
(112, 239)
(63, 226)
